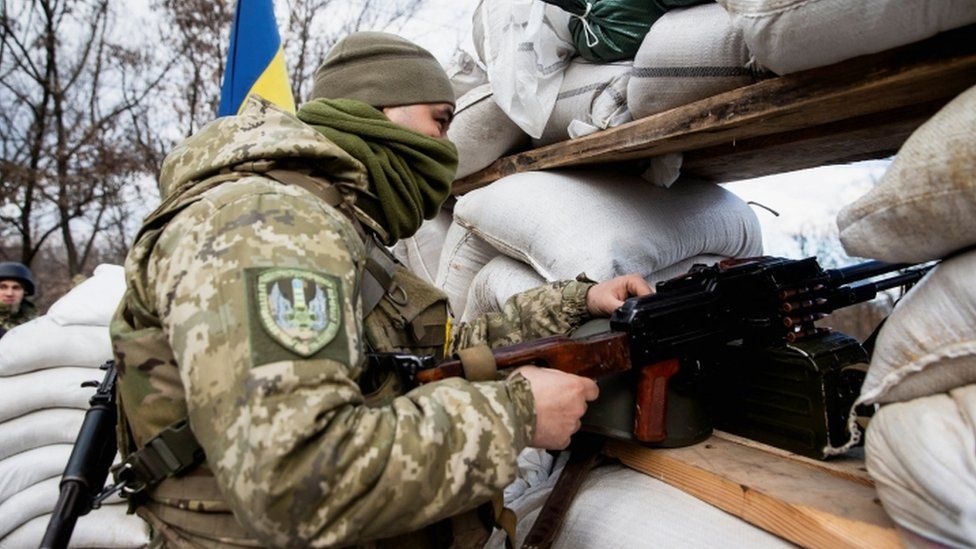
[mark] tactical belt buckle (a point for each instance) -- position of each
(172, 452)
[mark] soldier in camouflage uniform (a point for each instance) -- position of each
(16, 283)
(249, 310)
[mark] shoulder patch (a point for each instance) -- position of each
(301, 310)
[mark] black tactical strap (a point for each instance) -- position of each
(584, 454)
(378, 278)
(172, 452)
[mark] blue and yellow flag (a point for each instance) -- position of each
(255, 60)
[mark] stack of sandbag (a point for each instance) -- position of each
(921, 443)
(536, 227)
(539, 87)
(42, 405)
(792, 35)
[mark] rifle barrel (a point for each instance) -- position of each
(65, 515)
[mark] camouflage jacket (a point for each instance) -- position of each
(10, 318)
(219, 275)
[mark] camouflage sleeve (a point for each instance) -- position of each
(274, 401)
(551, 309)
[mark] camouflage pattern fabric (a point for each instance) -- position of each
(242, 312)
(10, 318)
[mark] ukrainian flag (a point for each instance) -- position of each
(255, 60)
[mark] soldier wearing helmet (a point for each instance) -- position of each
(16, 283)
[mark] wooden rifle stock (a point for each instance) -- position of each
(592, 357)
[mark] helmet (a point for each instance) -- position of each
(11, 270)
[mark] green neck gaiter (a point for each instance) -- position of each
(410, 174)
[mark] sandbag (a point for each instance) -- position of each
(47, 388)
(463, 255)
(690, 54)
(43, 343)
(27, 468)
(421, 252)
(107, 527)
(925, 205)
(922, 457)
(498, 280)
(525, 46)
(619, 507)
(41, 428)
(928, 344)
(792, 35)
(504, 277)
(605, 224)
(33, 501)
(465, 73)
(93, 302)
(611, 30)
(592, 97)
(482, 132)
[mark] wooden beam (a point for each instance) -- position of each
(802, 502)
(929, 72)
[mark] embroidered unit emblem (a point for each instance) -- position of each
(299, 309)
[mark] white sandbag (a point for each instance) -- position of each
(504, 277)
(792, 35)
(689, 54)
(41, 428)
(465, 73)
(463, 255)
(43, 343)
(421, 252)
(617, 507)
(498, 280)
(33, 501)
(30, 467)
(565, 222)
(592, 97)
(925, 205)
(482, 132)
(922, 457)
(928, 344)
(525, 46)
(48, 388)
(107, 527)
(93, 302)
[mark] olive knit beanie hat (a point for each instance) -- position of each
(382, 70)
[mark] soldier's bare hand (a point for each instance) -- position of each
(560, 402)
(606, 297)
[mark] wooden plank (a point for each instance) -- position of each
(927, 73)
(803, 503)
(862, 138)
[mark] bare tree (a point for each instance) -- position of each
(68, 92)
(197, 33)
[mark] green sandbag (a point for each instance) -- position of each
(610, 30)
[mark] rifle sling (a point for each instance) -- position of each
(584, 454)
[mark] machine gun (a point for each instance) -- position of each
(88, 466)
(761, 302)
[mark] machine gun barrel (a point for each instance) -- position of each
(868, 269)
(866, 291)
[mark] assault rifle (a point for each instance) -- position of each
(87, 468)
(763, 302)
